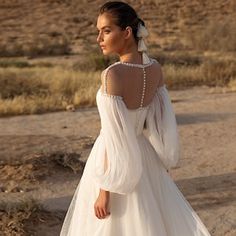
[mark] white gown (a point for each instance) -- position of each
(144, 200)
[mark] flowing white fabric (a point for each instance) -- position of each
(162, 128)
(144, 200)
(121, 146)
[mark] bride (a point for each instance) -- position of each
(126, 189)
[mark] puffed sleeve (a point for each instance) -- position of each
(119, 143)
(162, 128)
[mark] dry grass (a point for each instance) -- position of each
(20, 63)
(13, 216)
(21, 176)
(94, 62)
(178, 58)
(66, 160)
(24, 218)
(210, 73)
(30, 89)
(38, 90)
(232, 85)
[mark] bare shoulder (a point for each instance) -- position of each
(112, 76)
(158, 71)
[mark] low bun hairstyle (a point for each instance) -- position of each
(124, 15)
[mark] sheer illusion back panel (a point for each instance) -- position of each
(127, 81)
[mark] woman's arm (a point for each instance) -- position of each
(101, 206)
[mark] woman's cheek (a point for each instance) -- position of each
(115, 41)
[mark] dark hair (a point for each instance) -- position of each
(124, 15)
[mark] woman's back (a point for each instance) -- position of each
(135, 83)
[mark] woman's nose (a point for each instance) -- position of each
(99, 38)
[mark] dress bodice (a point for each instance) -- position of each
(137, 117)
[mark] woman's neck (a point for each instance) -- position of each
(132, 56)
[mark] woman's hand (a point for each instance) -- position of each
(101, 206)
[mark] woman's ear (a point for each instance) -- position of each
(128, 32)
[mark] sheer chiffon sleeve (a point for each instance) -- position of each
(119, 144)
(162, 128)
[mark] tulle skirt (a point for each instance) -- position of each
(155, 208)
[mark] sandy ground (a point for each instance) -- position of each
(206, 172)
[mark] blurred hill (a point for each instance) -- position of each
(58, 27)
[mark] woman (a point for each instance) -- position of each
(125, 189)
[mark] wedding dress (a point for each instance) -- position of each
(144, 200)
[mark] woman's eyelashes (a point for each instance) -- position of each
(105, 31)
